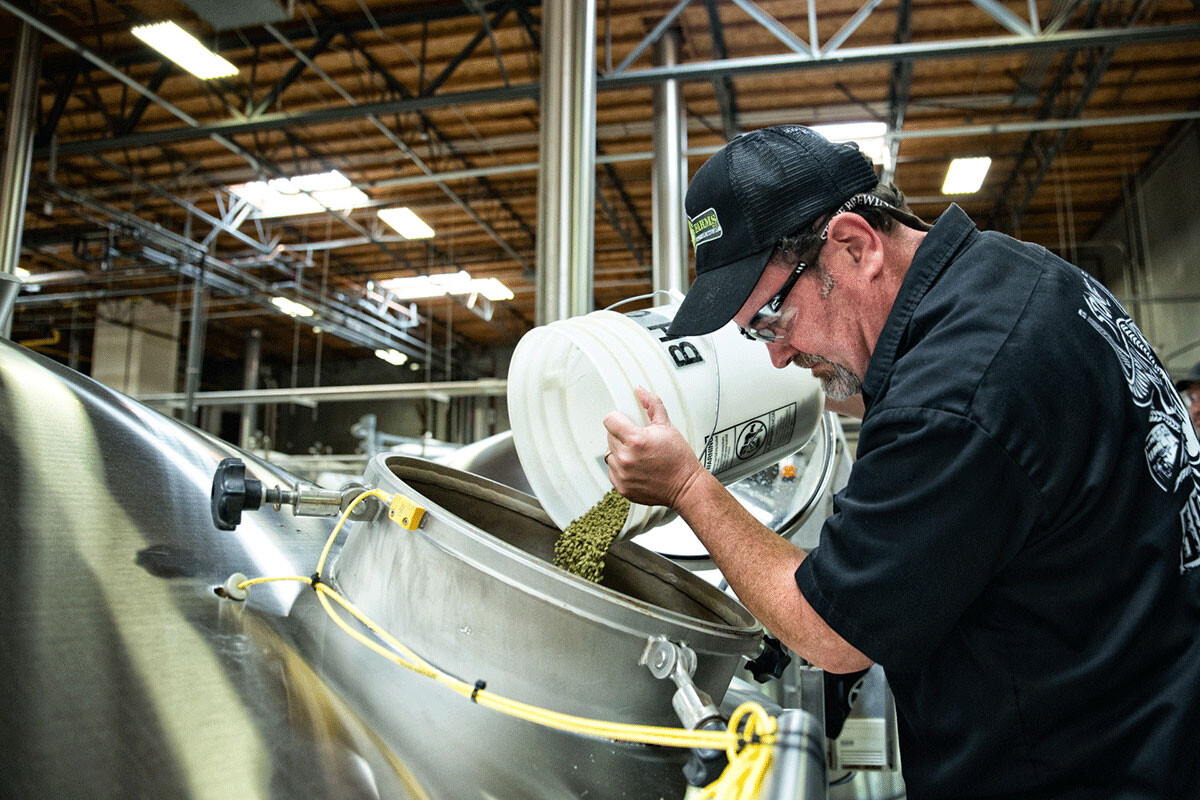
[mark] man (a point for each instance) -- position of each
(1189, 390)
(1018, 541)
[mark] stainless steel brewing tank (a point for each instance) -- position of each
(474, 592)
(124, 675)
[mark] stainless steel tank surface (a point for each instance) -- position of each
(122, 673)
(474, 591)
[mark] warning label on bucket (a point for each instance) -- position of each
(744, 441)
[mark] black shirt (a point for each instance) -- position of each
(1019, 540)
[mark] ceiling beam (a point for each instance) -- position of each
(294, 71)
(130, 122)
(723, 85)
(65, 91)
(842, 58)
(298, 31)
(465, 53)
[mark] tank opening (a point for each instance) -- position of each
(516, 519)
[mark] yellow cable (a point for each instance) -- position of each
(342, 521)
(749, 751)
(255, 581)
(747, 768)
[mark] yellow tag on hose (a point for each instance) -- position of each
(405, 512)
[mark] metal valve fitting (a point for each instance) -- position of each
(667, 660)
(234, 492)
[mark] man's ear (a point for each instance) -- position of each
(859, 241)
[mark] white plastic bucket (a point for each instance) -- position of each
(721, 391)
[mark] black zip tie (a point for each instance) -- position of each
(479, 686)
(315, 579)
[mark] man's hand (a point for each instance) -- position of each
(651, 465)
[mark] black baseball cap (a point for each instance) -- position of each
(760, 187)
(1192, 378)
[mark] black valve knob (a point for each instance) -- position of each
(771, 662)
(705, 765)
(233, 492)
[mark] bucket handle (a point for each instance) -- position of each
(671, 293)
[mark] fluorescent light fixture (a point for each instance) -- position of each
(446, 283)
(392, 356)
(185, 50)
(291, 307)
(303, 194)
(22, 273)
(406, 223)
(966, 175)
(867, 135)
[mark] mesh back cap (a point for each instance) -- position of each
(1193, 378)
(760, 187)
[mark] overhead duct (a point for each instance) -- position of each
(223, 15)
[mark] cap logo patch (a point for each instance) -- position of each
(704, 227)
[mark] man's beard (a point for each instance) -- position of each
(841, 385)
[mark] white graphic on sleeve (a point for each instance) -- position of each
(1172, 447)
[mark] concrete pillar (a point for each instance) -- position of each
(567, 155)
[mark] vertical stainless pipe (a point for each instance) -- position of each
(798, 770)
(669, 178)
(567, 156)
(18, 154)
(195, 353)
(250, 382)
(10, 287)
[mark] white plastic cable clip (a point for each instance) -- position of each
(232, 588)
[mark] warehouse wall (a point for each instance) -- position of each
(136, 346)
(1148, 252)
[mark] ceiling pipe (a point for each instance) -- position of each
(334, 315)
(484, 387)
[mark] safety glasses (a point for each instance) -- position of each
(767, 323)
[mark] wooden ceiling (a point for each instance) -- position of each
(123, 177)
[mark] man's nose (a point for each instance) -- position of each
(781, 353)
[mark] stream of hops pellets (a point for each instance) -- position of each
(582, 547)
